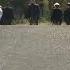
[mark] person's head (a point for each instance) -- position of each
(32, 2)
(56, 5)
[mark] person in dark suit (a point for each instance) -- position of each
(56, 15)
(34, 13)
(67, 14)
(8, 16)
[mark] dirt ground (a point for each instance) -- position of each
(24, 47)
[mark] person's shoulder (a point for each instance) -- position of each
(53, 9)
(58, 9)
(29, 5)
(67, 9)
(37, 4)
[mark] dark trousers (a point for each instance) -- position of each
(34, 20)
(57, 22)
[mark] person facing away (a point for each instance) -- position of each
(56, 15)
(34, 13)
(67, 14)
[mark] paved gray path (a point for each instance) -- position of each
(34, 47)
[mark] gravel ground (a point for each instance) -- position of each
(34, 47)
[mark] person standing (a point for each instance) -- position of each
(67, 14)
(34, 13)
(8, 16)
(56, 15)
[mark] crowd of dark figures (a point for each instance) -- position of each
(33, 14)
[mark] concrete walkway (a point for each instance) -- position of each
(34, 47)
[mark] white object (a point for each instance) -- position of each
(0, 6)
(1, 12)
(68, 3)
(56, 4)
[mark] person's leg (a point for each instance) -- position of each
(9, 22)
(60, 22)
(31, 21)
(55, 22)
(36, 20)
(68, 22)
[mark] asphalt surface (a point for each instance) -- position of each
(34, 47)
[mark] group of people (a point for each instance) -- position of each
(33, 14)
(6, 15)
(58, 15)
